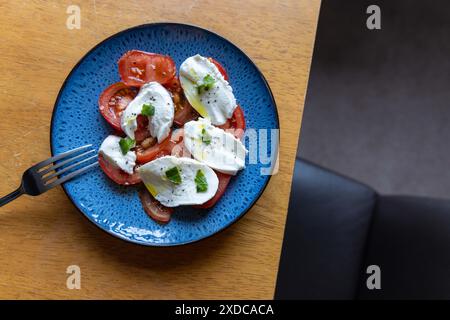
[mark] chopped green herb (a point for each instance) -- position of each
(148, 110)
(173, 174)
(200, 181)
(126, 144)
(206, 137)
(207, 83)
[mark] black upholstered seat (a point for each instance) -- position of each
(336, 227)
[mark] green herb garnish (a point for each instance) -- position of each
(148, 110)
(173, 174)
(200, 181)
(207, 84)
(206, 137)
(126, 144)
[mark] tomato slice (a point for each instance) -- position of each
(224, 179)
(219, 66)
(174, 142)
(141, 132)
(177, 147)
(117, 175)
(235, 125)
(173, 85)
(185, 113)
(153, 208)
(138, 67)
(147, 155)
(113, 101)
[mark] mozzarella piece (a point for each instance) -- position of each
(153, 174)
(224, 153)
(160, 123)
(111, 152)
(218, 103)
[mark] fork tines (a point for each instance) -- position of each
(61, 168)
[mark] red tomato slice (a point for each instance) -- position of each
(164, 148)
(153, 208)
(117, 175)
(219, 66)
(177, 147)
(139, 67)
(149, 154)
(185, 114)
(113, 101)
(235, 125)
(142, 131)
(173, 85)
(224, 179)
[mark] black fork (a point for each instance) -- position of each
(44, 176)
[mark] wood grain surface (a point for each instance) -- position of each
(40, 237)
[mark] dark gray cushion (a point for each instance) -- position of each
(326, 230)
(410, 241)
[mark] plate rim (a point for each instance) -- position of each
(145, 25)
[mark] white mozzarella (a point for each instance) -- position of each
(217, 103)
(112, 153)
(153, 174)
(223, 153)
(160, 123)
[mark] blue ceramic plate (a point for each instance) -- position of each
(76, 121)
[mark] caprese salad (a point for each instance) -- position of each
(177, 135)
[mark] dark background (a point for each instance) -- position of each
(378, 101)
(377, 110)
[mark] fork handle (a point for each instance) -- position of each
(10, 197)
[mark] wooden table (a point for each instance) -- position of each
(40, 237)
